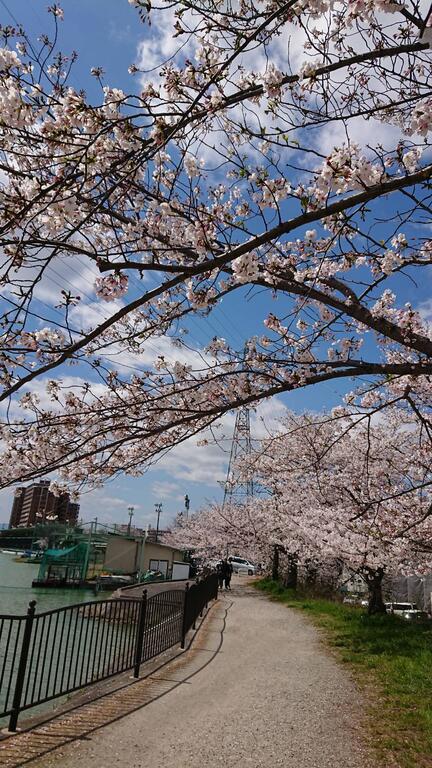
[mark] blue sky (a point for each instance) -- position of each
(107, 33)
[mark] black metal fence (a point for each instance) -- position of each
(47, 655)
(196, 598)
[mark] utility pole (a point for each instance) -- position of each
(187, 505)
(87, 554)
(158, 508)
(141, 556)
(130, 513)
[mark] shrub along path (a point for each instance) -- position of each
(271, 696)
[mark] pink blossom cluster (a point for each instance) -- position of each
(111, 287)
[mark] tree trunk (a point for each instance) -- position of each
(311, 572)
(290, 581)
(275, 563)
(374, 582)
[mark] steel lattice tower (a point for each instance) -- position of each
(237, 489)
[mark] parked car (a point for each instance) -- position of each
(407, 611)
(356, 600)
(240, 565)
(415, 615)
(399, 608)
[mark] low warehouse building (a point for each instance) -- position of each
(129, 555)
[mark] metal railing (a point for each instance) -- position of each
(44, 656)
(196, 599)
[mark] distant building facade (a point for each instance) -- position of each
(124, 528)
(153, 536)
(37, 504)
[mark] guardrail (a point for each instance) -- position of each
(44, 656)
(145, 584)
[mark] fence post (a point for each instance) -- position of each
(140, 633)
(185, 610)
(194, 604)
(22, 664)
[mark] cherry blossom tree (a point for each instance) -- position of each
(354, 491)
(239, 168)
(347, 491)
(219, 531)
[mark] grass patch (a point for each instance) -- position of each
(392, 660)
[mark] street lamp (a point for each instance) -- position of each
(130, 513)
(158, 508)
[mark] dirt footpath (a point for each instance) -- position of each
(270, 696)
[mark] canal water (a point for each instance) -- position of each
(16, 589)
(15, 594)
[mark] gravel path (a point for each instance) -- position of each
(271, 696)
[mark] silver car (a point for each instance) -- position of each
(240, 565)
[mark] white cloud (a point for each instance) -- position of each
(110, 504)
(209, 463)
(103, 498)
(267, 417)
(87, 315)
(197, 464)
(38, 387)
(109, 508)
(160, 45)
(160, 346)
(164, 489)
(362, 132)
(425, 310)
(69, 273)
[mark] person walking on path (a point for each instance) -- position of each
(228, 572)
(220, 574)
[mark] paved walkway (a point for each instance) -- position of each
(269, 696)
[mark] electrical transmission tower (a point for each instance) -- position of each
(238, 488)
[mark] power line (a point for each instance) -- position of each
(18, 23)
